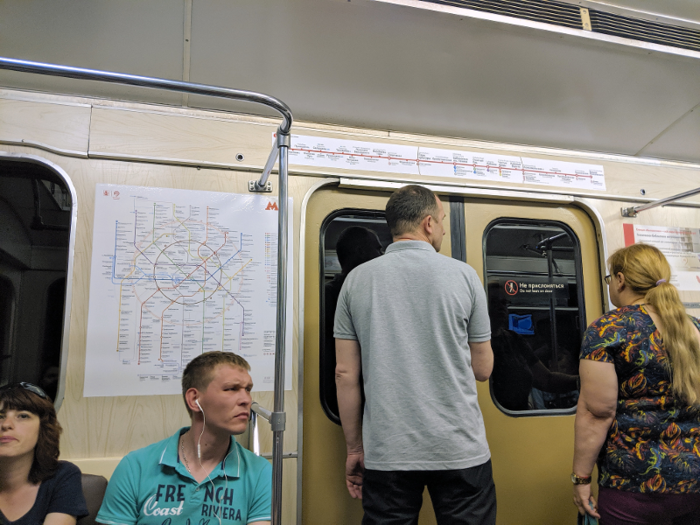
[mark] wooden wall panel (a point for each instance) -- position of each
(207, 138)
(174, 138)
(55, 126)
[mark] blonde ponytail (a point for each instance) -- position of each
(680, 341)
(648, 273)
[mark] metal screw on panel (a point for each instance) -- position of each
(643, 191)
(239, 157)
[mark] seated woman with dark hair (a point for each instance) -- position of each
(35, 488)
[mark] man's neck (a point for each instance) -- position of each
(203, 454)
(412, 236)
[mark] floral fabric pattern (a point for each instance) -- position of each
(653, 444)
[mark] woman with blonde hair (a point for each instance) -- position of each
(638, 414)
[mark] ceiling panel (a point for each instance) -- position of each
(682, 141)
(384, 66)
(371, 64)
(137, 37)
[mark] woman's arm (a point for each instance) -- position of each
(596, 409)
(58, 518)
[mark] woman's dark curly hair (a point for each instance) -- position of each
(16, 397)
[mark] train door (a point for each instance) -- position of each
(540, 266)
(531, 448)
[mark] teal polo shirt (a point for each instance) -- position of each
(151, 487)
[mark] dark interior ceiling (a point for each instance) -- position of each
(384, 66)
(39, 202)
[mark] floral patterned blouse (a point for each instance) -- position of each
(653, 444)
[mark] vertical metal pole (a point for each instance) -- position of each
(278, 416)
(553, 311)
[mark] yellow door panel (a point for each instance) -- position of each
(532, 456)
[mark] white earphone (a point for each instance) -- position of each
(199, 441)
(199, 456)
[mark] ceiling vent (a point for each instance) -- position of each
(667, 35)
(571, 16)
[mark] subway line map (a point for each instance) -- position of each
(357, 155)
(177, 273)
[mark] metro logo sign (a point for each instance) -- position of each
(271, 206)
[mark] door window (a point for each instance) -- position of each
(534, 283)
(35, 214)
(348, 239)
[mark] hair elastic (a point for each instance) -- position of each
(660, 281)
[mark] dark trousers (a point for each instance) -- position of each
(618, 507)
(459, 496)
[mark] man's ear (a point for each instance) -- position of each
(428, 224)
(190, 396)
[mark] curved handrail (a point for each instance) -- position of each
(42, 68)
(255, 411)
(26, 66)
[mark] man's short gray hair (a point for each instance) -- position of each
(407, 207)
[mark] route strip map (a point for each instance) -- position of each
(176, 273)
(413, 160)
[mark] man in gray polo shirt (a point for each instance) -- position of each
(413, 324)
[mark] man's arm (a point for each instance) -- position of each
(260, 498)
(482, 360)
(119, 505)
(347, 380)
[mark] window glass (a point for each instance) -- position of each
(7, 300)
(35, 214)
(348, 239)
(535, 292)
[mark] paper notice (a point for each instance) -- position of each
(681, 246)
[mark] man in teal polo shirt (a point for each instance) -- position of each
(201, 474)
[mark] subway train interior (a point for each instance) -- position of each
(132, 153)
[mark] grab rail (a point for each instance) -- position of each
(281, 147)
(634, 210)
(42, 68)
(255, 411)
